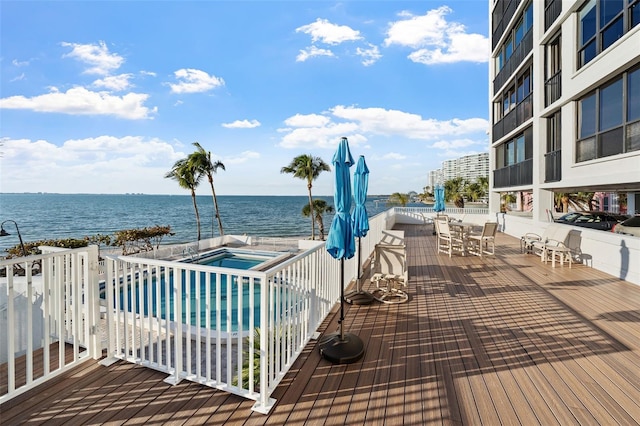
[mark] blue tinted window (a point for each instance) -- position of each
(587, 118)
(612, 33)
(520, 149)
(609, 9)
(508, 49)
(611, 105)
(528, 18)
(588, 53)
(519, 33)
(587, 22)
(633, 95)
(635, 15)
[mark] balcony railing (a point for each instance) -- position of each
(553, 89)
(552, 166)
(552, 10)
(515, 175)
(519, 55)
(502, 14)
(517, 116)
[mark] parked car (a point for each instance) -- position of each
(595, 220)
(630, 226)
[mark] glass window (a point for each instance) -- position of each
(633, 95)
(635, 15)
(633, 137)
(519, 33)
(587, 116)
(611, 143)
(586, 149)
(608, 10)
(587, 22)
(510, 154)
(588, 53)
(528, 18)
(520, 149)
(611, 114)
(508, 49)
(612, 33)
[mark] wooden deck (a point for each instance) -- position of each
(498, 340)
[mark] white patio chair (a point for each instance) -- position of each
(484, 243)
(448, 242)
(389, 273)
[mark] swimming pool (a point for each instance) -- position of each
(151, 294)
(236, 258)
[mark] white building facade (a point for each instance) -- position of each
(469, 167)
(565, 99)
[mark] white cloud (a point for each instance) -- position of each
(114, 82)
(80, 101)
(241, 158)
(370, 55)
(360, 124)
(242, 124)
(324, 31)
(308, 120)
(17, 63)
(393, 156)
(18, 78)
(435, 40)
(194, 81)
(97, 56)
(312, 51)
(100, 164)
(455, 143)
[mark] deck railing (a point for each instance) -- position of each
(235, 330)
(48, 306)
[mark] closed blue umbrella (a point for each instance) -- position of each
(439, 196)
(341, 348)
(340, 242)
(438, 206)
(360, 225)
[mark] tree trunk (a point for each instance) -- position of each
(321, 227)
(195, 207)
(215, 204)
(311, 215)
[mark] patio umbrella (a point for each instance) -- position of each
(360, 226)
(341, 347)
(438, 206)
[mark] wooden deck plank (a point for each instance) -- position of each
(504, 339)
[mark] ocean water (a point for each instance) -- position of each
(54, 216)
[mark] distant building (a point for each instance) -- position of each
(564, 82)
(469, 167)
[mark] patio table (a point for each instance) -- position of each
(463, 229)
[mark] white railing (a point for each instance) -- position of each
(191, 321)
(50, 307)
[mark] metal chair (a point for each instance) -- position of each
(389, 273)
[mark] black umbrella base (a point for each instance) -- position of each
(341, 351)
(359, 298)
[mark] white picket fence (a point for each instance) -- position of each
(43, 315)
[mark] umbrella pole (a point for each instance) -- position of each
(358, 296)
(341, 299)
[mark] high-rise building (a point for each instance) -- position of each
(564, 84)
(469, 167)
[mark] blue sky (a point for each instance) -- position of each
(103, 97)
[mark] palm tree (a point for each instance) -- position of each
(320, 207)
(201, 161)
(309, 168)
(187, 177)
(454, 190)
(399, 198)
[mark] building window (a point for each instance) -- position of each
(607, 125)
(601, 23)
(554, 126)
(514, 94)
(525, 23)
(516, 150)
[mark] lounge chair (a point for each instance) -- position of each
(536, 244)
(389, 273)
(448, 242)
(484, 243)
